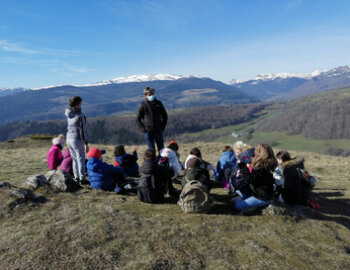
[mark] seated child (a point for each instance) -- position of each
(54, 156)
(239, 147)
(226, 161)
(66, 164)
(259, 182)
(196, 153)
(168, 156)
(102, 175)
(154, 180)
(294, 191)
(234, 176)
(194, 171)
(128, 162)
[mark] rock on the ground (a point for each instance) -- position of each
(5, 184)
(61, 180)
(297, 211)
(36, 180)
(13, 197)
(21, 193)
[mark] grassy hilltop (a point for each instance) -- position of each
(100, 230)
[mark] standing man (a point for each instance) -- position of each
(152, 119)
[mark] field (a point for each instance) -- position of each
(100, 230)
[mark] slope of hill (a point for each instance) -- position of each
(321, 116)
(100, 230)
(286, 86)
(123, 129)
(111, 98)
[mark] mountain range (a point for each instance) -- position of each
(123, 94)
(286, 86)
(119, 96)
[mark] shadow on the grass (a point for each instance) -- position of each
(221, 205)
(333, 209)
(170, 199)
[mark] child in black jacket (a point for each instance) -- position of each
(155, 180)
(294, 191)
(259, 181)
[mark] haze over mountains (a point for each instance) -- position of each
(124, 94)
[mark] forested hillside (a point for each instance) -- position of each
(123, 129)
(320, 116)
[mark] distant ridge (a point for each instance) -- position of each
(121, 95)
(286, 86)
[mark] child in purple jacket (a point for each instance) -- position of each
(66, 164)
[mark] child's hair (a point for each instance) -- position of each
(227, 148)
(119, 150)
(149, 155)
(193, 163)
(173, 146)
(61, 137)
(284, 155)
(58, 140)
(264, 157)
(239, 147)
(195, 151)
(75, 101)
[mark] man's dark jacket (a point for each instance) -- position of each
(152, 116)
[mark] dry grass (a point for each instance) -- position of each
(100, 230)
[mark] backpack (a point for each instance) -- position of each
(195, 198)
(163, 161)
(247, 156)
(306, 178)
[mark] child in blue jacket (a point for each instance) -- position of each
(102, 175)
(126, 161)
(226, 161)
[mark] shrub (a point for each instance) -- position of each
(42, 137)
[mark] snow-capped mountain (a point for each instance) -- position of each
(145, 78)
(119, 96)
(269, 86)
(10, 91)
(129, 79)
(271, 77)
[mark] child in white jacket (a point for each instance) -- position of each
(168, 156)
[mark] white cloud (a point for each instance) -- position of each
(76, 69)
(15, 47)
(8, 46)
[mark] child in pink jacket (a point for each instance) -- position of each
(54, 156)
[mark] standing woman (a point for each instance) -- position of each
(77, 139)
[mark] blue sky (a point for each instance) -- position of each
(58, 42)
